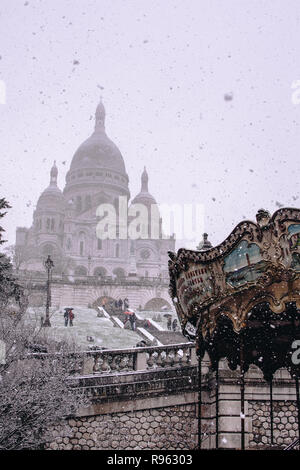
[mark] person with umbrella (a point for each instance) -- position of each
(71, 316)
(66, 316)
(132, 319)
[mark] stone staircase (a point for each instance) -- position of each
(146, 328)
(170, 337)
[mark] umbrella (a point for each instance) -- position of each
(167, 315)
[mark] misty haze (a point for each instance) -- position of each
(149, 227)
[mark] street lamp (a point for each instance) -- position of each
(89, 264)
(48, 265)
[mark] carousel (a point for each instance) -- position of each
(240, 301)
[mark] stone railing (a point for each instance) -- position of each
(40, 278)
(138, 359)
(130, 360)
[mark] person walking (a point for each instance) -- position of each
(71, 316)
(66, 316)
(174, 325)
(169, 323)
(132, 319)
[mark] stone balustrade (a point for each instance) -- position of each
(41, 278)
(130, 360)
(137, 359)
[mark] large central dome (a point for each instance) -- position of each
(97, 163)
(98, 151)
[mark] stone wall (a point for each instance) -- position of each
(138, 291)
(153, 429)
(153, 407)
(284, 423)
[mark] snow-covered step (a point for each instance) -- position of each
(104, 312)
(148, 335)
(155, 324)
(117, 321)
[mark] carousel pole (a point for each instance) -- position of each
(242, 387)
(217, 405)
(271, 410)
(199, 401)
(298, 405)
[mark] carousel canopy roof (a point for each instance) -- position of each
(243, 293)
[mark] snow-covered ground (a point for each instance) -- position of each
(86, 323)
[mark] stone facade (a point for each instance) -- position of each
(155, 429)
(141, 293)
(66, 223)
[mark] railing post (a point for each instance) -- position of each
(193, 356)
(141, 361)
(88, 365)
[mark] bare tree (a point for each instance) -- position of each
(20, 254)
(35, 390)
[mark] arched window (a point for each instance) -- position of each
(117, 250)
(78, 203)
(81, 243)
(88, 202)
(48, 249)
(80, 271)
(100, 271)
(119, 273)
(48, 224)
(52, 225)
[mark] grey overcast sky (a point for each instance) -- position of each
(199, 91)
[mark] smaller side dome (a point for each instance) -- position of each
(147, 200)
(144, 197)
(52, 197)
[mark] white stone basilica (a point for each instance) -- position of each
(64, 222)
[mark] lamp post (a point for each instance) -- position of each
(89, 264)
(49, 266)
